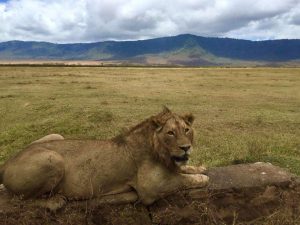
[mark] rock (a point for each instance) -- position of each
(243, 176)
(242, 192)
(247, 176)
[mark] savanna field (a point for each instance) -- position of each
(242, 114)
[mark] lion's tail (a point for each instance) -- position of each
(1, 173)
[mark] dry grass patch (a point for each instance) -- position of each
(242, 115)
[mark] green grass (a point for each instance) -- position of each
(242, 115)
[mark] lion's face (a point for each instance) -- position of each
(175, 137)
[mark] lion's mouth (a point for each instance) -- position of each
(183, 158)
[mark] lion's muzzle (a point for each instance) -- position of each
(185, 148)
(183, 158)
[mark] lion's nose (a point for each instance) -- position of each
(185, 147)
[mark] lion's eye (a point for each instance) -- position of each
(186, 130)
(171, 133)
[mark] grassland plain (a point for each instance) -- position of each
(242, 114)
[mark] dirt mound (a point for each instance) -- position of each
(257, 193)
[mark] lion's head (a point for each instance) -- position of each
(173, 137)
(168, 135)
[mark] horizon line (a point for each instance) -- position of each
(134, 40)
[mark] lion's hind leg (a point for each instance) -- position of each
(34, 173)
(120, 198)
(53, 203)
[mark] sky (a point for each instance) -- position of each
(69, 21)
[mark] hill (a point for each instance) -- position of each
(183, 49)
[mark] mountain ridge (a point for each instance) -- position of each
(195, 50)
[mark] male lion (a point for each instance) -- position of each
(145, 163)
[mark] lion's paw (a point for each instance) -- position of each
(199, 169)
(199, 180)
(52, 204)
(193, 169)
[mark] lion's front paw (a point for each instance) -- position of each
(199, 180)
(200, 169)
(193, 169)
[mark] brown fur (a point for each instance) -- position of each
(147, 129)
(148, 160)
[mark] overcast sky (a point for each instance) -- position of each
(66, 21)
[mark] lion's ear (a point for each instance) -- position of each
(157, 124)
(189, 118)
(166, 109)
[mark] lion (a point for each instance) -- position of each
(143, 164)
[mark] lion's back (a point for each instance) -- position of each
(70, 147)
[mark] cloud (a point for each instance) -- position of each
(93, 20)
(53, 20)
